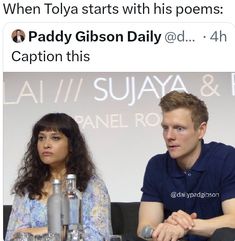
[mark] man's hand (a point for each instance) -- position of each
(168, 232)
(185, 220)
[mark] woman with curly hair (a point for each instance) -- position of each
(56, 149)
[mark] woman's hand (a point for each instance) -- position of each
(33, 231)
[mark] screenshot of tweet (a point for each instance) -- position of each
(107, 65)
(133, 36)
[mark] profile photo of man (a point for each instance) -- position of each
(18, 36)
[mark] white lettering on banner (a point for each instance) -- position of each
(105, 86)
(209, 88)
(107, 121)
(71, 83)
(163, 84)
(110, 89)
(144, 89)
(26, 91)
(64, 91)
(59, 90)
(130, 89)
(41, 91)
(147, 120)
(233, 84)
(179, 81)
(101, 89)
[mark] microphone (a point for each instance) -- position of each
(147, 232)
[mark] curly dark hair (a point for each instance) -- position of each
(174, 100)
(33, 172)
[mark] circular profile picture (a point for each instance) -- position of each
(18, 36)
